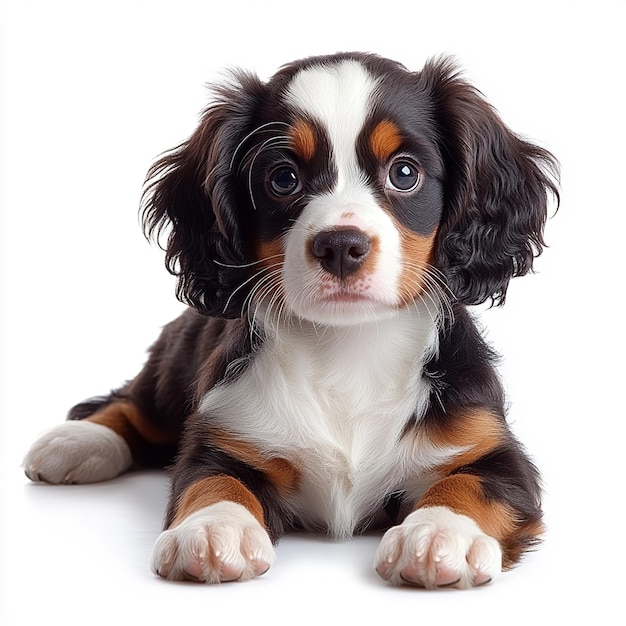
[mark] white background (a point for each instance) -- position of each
(91, 92)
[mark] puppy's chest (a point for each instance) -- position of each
(335, 407)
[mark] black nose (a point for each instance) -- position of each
(341, 251)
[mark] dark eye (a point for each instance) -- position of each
(403, 175)
(284, 181)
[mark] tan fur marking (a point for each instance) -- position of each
(212, 490)
(417, 252)
(280, 472)
(478, 431)
(462, 493)
(303, 139)
(128, 421)
(270, 253)
(385, 140)
(370, 263)
(271, 256)
(526, 536)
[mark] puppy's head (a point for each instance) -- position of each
(345, 189)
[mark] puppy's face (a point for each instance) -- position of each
(346, 188)
(346, 191)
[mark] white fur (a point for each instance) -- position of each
(339, 98)
(334, 402)
(218, 543)
(436, 547)
(77, 452)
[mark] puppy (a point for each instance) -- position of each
(328, 229)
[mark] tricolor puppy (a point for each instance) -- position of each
(328, 229)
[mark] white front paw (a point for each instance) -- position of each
(77, 452)
(435, 547)
(218, 543)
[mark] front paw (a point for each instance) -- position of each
(435, 547)
(77, 452)
(219, 543)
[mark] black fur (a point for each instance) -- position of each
(497, 190)
(192, 188)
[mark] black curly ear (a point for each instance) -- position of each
(497, 191)
(190, 193)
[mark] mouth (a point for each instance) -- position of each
(353, 292)
(343, 305)
(346, 297)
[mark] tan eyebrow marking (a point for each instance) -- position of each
(303, 138)
(385, 140)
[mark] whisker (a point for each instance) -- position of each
(251, 134)
(243, 265)
(273, 142)
(268, 283)
(277, 296)
(243, 284)
(434, 289)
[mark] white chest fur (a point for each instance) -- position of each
(334, 402)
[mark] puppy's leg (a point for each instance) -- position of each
(438, 545)
(217, 534)
(460, 534)
(477, 519)
(96, 448)
(224, 509)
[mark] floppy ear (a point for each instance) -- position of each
(497, 189)
(190, 192)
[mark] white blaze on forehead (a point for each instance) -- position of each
(337, 96)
